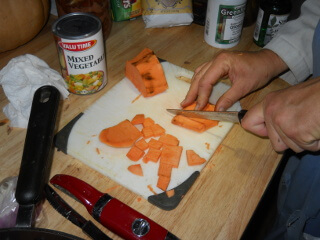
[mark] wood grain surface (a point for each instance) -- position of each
(222, 200)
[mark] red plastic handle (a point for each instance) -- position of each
(110, 212)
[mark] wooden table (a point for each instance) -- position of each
(222, 200)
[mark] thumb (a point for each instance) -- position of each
(254, 120)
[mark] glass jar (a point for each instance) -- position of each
(100, 8)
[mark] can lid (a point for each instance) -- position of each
(76, 25)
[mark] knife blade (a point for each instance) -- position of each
(69, 213)
(228, 116)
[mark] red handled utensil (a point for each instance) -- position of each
(110, 212)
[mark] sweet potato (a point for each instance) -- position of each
(147, 132)
(148, 122)
(169, 139)
(188, 123)
(153, 143)
(146, 73)
(171, 155)
(165, 170)
(137, 119)
(195, 124)
(152, 155)
(136, 169)
(142, 144)
(157, 130)
(194, 159)
(163, 183)
(124, 134)
(135, 153)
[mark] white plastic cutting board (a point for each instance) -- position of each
(121, 103)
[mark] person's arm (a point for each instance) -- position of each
(293, 42)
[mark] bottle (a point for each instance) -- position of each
(271, 16)
(224, 22)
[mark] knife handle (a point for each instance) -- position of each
(110, 212)
(241, 114)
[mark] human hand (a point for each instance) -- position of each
(247, 72)
(289, 117)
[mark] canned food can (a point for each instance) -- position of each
(81, 52)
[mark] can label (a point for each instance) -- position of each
(229, 23)
(83, 63)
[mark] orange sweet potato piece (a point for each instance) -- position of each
(163, 183)
(169, 139)
(188, 123)
(194, 159)
(152, 155)
(142, 144)
(170, 193)
(136, 169)
(147, 132)
(195, 124)
(165, 170)
(148, 122)
(124, 134)
(137, 119)
(157, 130)
(146, 73)
(171, 155)
(135, 153)
(153, 143)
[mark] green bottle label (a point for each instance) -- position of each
(229, 23)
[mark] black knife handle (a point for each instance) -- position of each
(37, 147)
(241, 114)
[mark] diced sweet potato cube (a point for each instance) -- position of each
(137, 119)
(147, 132)
(163, 183)
(153, 143)
(142, 144)
(194, 159)
(157, 130)
(153, 155)
(148, 122)
(165, 170)
(135, 153)
(171, 155)
(169, 139)
(170, 193)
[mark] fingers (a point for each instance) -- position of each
(193, 90)
(202, 83)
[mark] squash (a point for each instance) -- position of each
(146, 73)
(21, 21)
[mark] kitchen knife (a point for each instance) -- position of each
(110, 212)
(228, 116)
(69, 213)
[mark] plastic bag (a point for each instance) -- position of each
(8, 204)
(166, 13)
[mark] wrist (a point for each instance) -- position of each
(274, 65)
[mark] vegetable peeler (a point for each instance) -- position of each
(110, 212)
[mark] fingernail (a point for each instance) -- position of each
(182, 102)
(197, 107)
(221, 109)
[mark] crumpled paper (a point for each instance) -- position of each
(22, 76)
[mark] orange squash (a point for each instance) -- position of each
(146, 73)
(124, 134)
(21, 21)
